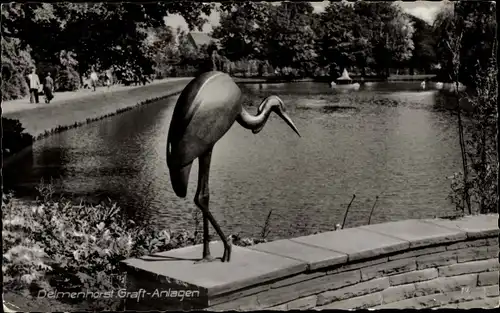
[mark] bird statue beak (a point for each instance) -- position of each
(288, 120)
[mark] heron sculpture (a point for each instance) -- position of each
(205, 111)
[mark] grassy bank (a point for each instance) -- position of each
(42, 120)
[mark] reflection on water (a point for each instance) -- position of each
(387, 141)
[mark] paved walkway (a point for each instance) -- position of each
(68, 108)
(24, 103)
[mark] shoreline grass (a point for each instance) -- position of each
(61, 128)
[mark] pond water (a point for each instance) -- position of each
(388, 140)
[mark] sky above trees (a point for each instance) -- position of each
(426, 10)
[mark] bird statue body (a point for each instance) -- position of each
(205, 111)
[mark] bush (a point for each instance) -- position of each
(57, 244)
(13, 137)
(15, 66)
(67, 79)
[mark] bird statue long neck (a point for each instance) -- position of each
(254, 122)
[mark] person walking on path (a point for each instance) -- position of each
(48, 88)
(94, 78)
(34, 84)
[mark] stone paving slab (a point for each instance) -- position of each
(246, 268)
(475, 226)
(355, 242)
(315, 257)
(418, 233)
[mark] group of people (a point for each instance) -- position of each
(35, 87)
(94, 78)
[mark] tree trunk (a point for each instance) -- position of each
(466, 196)
(483, 169)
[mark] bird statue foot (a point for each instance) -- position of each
(206, 259)
(227, 253)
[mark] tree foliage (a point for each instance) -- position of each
(389, 33)
(98, 34)
(341, 40)
(473, 24)
(468, 51)
(16, 63)
(242, 29)
(291, 34)
(424, 56)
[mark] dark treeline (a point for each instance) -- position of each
(367, 38)
(68, 39)
(255, 38)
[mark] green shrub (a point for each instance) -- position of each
(57, 244)
(13, 137)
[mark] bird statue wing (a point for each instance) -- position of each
(204, 112)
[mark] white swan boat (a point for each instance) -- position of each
(344, 83)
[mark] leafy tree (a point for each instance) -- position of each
(390, 33)
(400, 34)
(35, 25)
(477, 22)
(424, 55)
(16, 62)
(444, 30)
(242, 29)
(162, 43)
(290, 37)
(474, 25)
(340, 41)
(99, 34)
(467, 48)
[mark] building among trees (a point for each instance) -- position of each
(197, 40)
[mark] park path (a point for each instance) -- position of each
(69, 108)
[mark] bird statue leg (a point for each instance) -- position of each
(201, 199)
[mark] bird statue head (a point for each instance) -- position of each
(275, 104)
